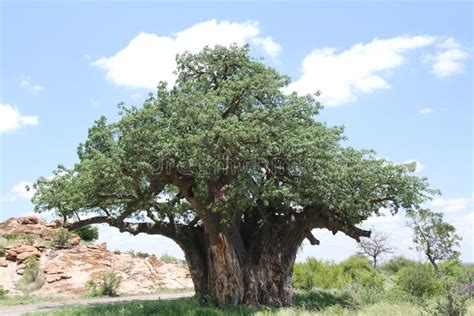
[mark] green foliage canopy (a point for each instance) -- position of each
(434, 237)
(225, 138)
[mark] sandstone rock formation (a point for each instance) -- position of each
(68, 269)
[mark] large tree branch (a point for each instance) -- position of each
(156, 228)
(318, 216)
(335, 225)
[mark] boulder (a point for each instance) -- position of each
(25, 248)
(154, 261)
(54, 224)
(74, 240)
(28, 220)
(54, 268)
(50, 278)
(3, 262)
(10, 254)
(25, 255)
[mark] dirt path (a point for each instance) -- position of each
(15, 310)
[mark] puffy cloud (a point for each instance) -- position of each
(18, 192)
(364, 68)
(449, 60)
(269, 46)
(27, 84)
(425, 111)
(150, 58)
(12, 119)
(449, 205)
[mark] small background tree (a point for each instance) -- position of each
(33, 278)
(435, 238)
(375, 246)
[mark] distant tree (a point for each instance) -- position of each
(435, 238)
(232, 169)
(375, 246)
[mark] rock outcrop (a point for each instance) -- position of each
(67, 270)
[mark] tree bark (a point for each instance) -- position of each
(246, 258)
(231, 265)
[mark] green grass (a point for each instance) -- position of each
(189, 307)
(180, 307)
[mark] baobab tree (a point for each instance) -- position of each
(375, 246)
(232, 169)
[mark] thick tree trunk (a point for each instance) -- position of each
(229, 269)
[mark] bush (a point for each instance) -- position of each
(142, 254)
(28, 239)
(2, 251)
(32, 278)
(3, 292)
(370, 279)
(326, 275)
(450, 304)
(10, 236)
(397, 263)
(419, 280)
(87, 233)
(107, 284)
(319, 274)
(169, 259)
(320, 299)
(61, 237)
(356, 263)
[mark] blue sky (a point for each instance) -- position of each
(398, 76)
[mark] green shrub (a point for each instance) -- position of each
(326, 275)
(142, 254)
(61, 237)
(169, 259)
(10, 236)
(3, 292)
(397, 263)
(356, 263)
(2, 251)
(369, 279)
(419, 280)
(32, 278)
(320, 299)
(28, 239)
(106, 285)
(87, 233)
(319, 274)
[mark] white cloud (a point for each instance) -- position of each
(449, 205)
(18, 192)
(342, 76)
(268, 44)
(448, 60)
(360, 69)
(12, 119)
(27, 84)
(150, 58)
(425, 111)
(419, 165)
